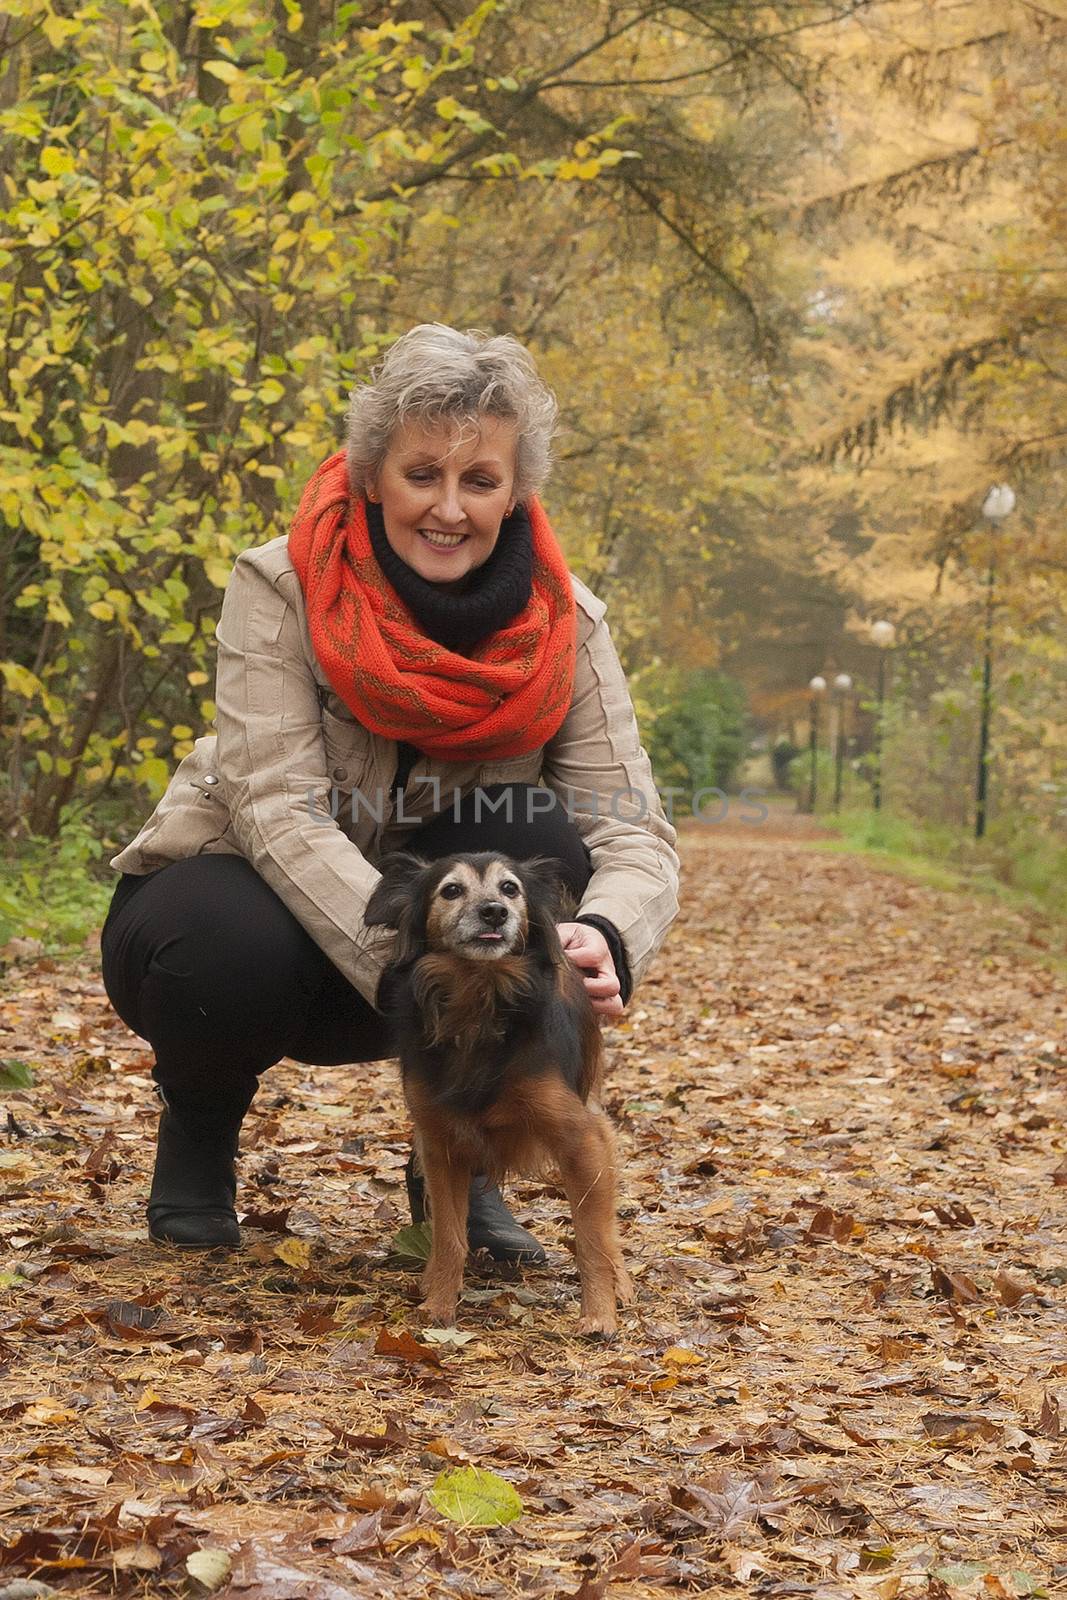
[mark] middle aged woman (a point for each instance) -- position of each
(412, 666)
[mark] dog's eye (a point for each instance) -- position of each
(510, 888)
(451, 891)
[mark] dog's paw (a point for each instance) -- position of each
(625, 1292)
(602, 1327)
(437, 1314)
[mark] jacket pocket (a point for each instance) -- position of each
(345, 740)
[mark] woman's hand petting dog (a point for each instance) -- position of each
(588, 949)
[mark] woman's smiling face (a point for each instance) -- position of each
(443, 505)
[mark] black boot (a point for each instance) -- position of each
(194, 1187)
(490, 1225)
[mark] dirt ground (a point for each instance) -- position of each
(840, 1104)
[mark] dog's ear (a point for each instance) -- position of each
(548, 900)
(393, 892)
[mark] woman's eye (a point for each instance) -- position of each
(451, 891)
(510, 888)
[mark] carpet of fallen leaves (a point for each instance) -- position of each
(839, 1097)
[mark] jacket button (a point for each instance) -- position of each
(340, 773)
(209, 777)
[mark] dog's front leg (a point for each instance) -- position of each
(448, 1180)
(586, 1156)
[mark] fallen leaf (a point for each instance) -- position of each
(209, 1566)
(728, 1503)
(137, 1558)
(954, 1286)
(953, 1427)
(128, 1320)
(414, 1242)
(447, 1450)
(22, 949)
(414, 1535)
(43, 1414)
(15, 1075)
(1050, 1422)
(295, 1253)
(449, 1336)
(828, 1224)
(1011, 1290)
(474, 1497)
(392, 1436)
(679, 1356)
(402, 1347)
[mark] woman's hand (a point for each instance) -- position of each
(588, 949)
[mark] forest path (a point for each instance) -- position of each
(840, 1103)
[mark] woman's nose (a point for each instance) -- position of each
(449, 507)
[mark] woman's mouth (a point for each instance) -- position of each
(443, 541)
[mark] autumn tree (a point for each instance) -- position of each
(214, 216)
(930, 212)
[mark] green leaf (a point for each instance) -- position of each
(15, 1075)
(961, 1573)
(11, 1280)
(413, 1242)
(154, 774)
(250, 132)
(475, 1498)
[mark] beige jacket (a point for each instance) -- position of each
(295, 784)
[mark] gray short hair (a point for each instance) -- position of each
(435, 373)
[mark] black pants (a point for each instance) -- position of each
(204, 961)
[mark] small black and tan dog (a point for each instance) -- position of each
(501, 1057)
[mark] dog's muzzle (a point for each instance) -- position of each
(488, 930)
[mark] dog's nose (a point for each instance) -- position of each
(494, 913)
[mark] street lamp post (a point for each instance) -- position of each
(817, 687)
(998, 504)
(882, 634)
(842, 685)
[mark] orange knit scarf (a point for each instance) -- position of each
(509, 697)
